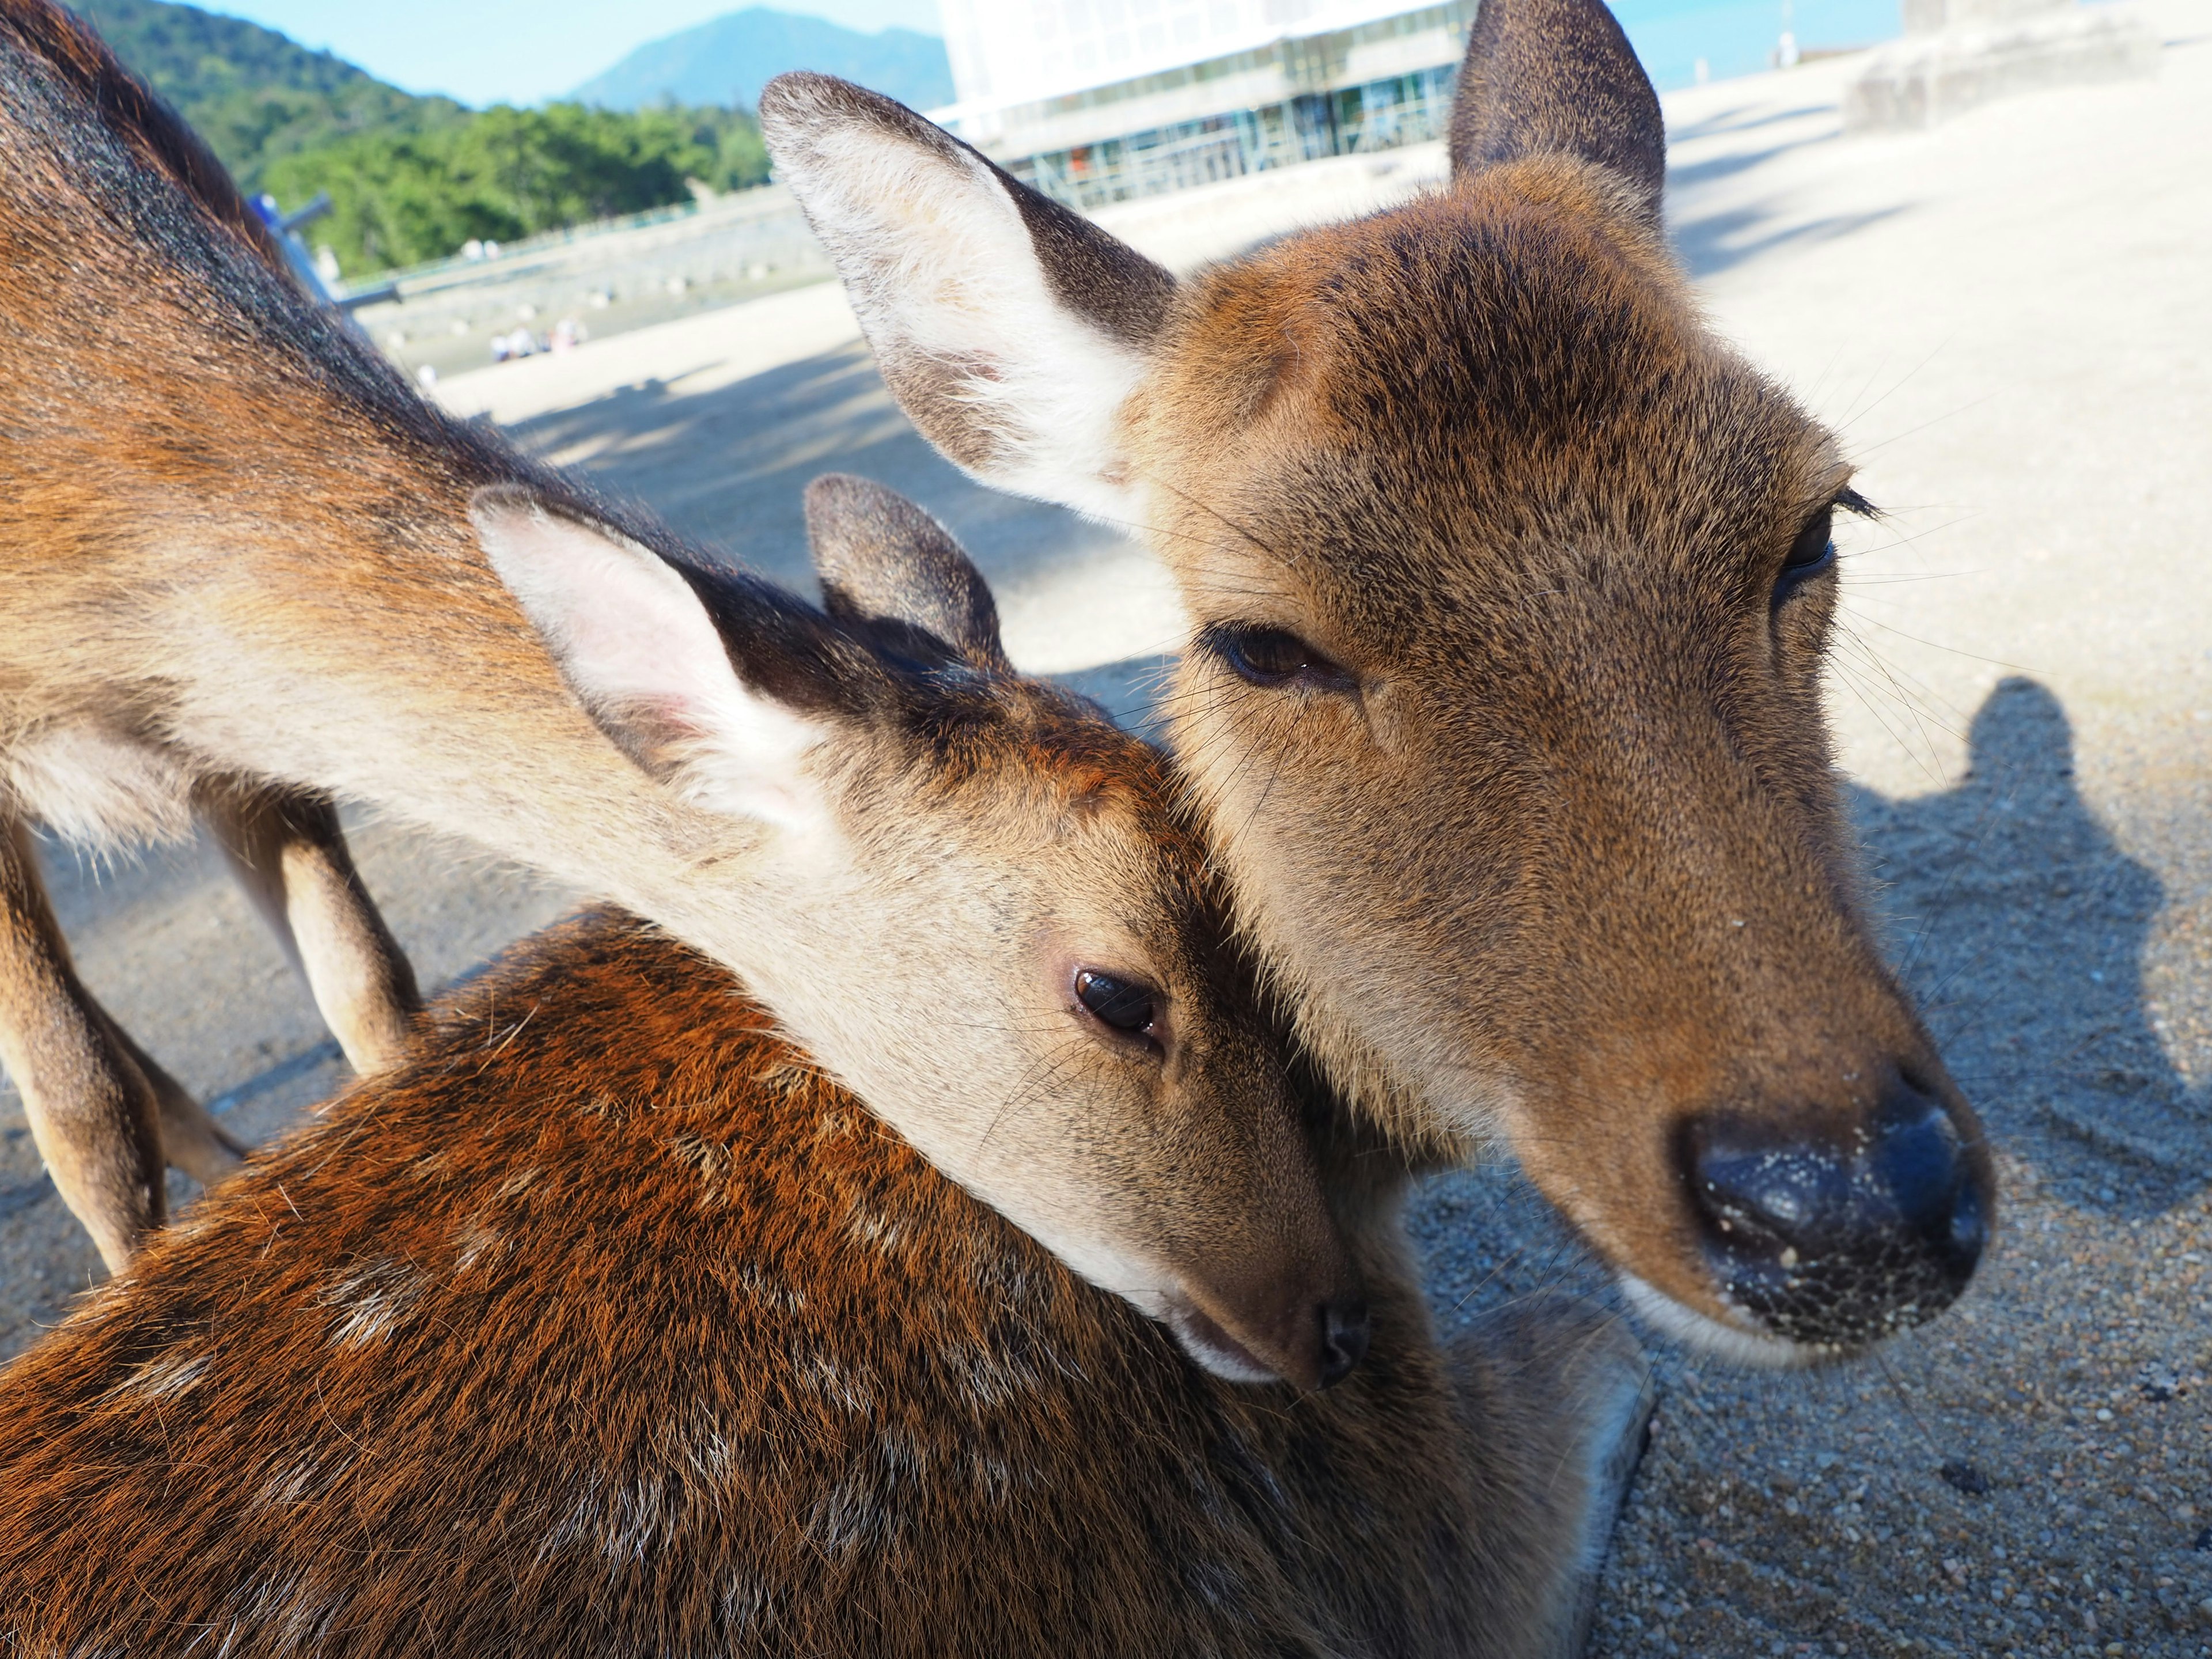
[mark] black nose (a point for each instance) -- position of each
(1839, 1240)
(1343, 1338)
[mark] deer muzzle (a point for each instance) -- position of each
(1835, 1239)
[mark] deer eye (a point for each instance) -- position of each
(1126, 1005)
(1813, 552)
(1273, 656)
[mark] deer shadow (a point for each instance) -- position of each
(2021, 925)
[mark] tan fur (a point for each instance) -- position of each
(288, 852)
(106, 1117)
(609, 1324)
(1537, 826)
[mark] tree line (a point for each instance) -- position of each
(399, 198)
(412, 177)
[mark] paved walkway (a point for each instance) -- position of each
(2010, 318)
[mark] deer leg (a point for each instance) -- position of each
(94, 1114)
(288, 852)
(191, 1140)
(1557, 1399)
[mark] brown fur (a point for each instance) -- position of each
(1556, 77)
(131, 109)
(1585, 748)
(610, 1324)
(1539, 828)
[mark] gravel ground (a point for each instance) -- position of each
(2007, 318)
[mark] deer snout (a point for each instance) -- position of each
(1343, 1340)
(1312, 1344)
(1839, 1238)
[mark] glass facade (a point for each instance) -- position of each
(1377, 115)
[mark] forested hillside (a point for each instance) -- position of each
(414, 178)
(254, 94)
(506, 173)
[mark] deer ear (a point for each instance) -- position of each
(635, 643)
(1010, 329)
(1557, 77)
(883, 562)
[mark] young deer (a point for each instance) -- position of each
(105, 1116)
(239, 546)
(610, 1324)
(1511, 585)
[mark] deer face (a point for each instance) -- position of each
(1511, 587)
(987, 910)
(1511, 591)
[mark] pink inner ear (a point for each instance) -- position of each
(637, 647)
(629, 628)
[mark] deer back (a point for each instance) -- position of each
(610, 1324)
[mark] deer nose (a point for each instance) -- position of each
(1839, 1242)
(1343, 1338)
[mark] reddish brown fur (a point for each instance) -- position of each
(609, 1325)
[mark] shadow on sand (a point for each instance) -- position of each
(728, 467)
(2021, 925)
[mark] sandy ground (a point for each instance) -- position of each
(2009, 319)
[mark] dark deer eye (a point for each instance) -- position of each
(1273, 656)
(1814, 551)
(1124, 1004)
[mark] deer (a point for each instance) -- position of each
(610, 1321)
(1509, 584)
(241, 548)
(108, 1119)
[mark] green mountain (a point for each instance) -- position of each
(727, 61)
(252, 94)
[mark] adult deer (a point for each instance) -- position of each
(105, 1116)
(609, 1324)
(239, 546)
(1510, 584)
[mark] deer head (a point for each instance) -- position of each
(1510, 584)
(992, 913)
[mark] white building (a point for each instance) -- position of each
(1093, 100)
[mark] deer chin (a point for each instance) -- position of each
(1198, 1332)
(1212, 1347)
(1739, 1345)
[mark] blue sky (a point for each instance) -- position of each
(483, 51)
